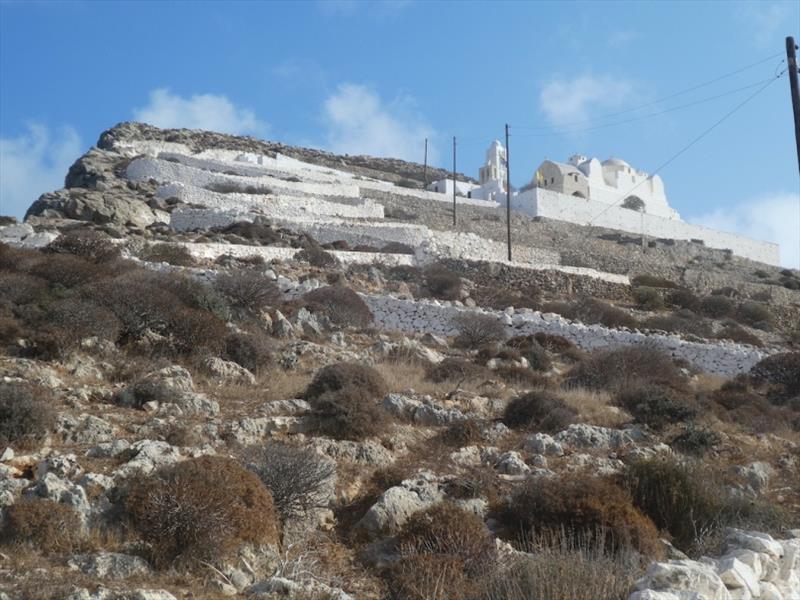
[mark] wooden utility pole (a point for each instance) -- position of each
(454, 181)
(425, 167)
(508, 196)
(791, 61)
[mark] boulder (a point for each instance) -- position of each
(226, 371)
(682, 576)
(398, 503)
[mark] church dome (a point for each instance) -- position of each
(615, 162)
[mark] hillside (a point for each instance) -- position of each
(233, 367)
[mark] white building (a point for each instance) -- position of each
(492, 177)
(445, 186)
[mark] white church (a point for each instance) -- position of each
(610, 194)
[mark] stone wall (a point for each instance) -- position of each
(719, 358)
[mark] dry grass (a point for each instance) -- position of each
(595, 407)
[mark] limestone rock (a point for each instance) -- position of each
(88, 430)
(681, 576)
(398, 503)
(110, 565)
(226, 371)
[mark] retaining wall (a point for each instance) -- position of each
(719, 358)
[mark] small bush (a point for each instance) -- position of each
(738, 334)
(461, 433)
(299, 478)
(684, 298)
(253, 351)
(591, 312)
(532, 351)
(648, 298)
(200, 295)
(476, 330)
(429, 577)
(448, 530)
(397, 248)
(24, 416)
(456, 370)
(685, 322)
(580, 507)
(21, 288)
(500, 298)
(717, 307)
(201, 509)
(74, 319)
(623, 367)
(653, 281)
(696, 441)
(68, 271)
(45, 525)
(443, 283)
(780, 370)
(523, 377)
(656, 406)
(173, 254)
(343, 306)
(558, 345)
(539, 411)
(248, 290)
(257, 232)
(338, 376)
(317, 257)
(88, 244)
(755, 315)
(349, 413)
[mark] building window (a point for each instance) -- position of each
(552, 180)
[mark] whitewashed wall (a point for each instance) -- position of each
(553, 205)
(718, 358)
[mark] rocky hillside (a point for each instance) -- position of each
(233, 368)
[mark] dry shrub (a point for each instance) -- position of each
(523, 377)
(558, 566)
(299, 478)
(539, 411)
(17, 259)
(735, 333)
(45, 525)
(717, 307)
(248, 290)
(343, 306)
(429, 577)
(350, 413)
(195, 332)
(69, 271)
(648, 298)
(456, 370)
(500, 298)
(201, 509)
(442, 283)
(25, 414)
(530, 348)
(317, 257)
(653, 282)
(74, 319)
(684, 321)
(779, 369)
(88, 244)
(21, 288)
(657, 406)
(751, 411)
(338, 376)
(476, 330)
(755, 315)
(10, 330)
(173, 254)
(251, 350)
(198, 294)
(580, 507)
(684, 298)
(258, 232)
(622, 367)
(397, 248)
(445, 529)
(696, 441)
(462, 433)
(559, 345)
(591, 311)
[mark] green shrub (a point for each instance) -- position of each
(25, 414)
(45, 525)
(696, 441)
(201, 509)
(343, 306)
(476, 330)
(338, 376)
(539, 411)
(580, 506)
(657, 406)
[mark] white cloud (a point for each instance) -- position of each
(34, 163)
(567, 102)
(773, 218)
(765, 20)
(200, 111)
(618, 39)
(358, 122)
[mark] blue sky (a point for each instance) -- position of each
(378, 77)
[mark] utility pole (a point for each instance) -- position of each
(508, 196)
(454, 181)
(425, 167)
(791, 61)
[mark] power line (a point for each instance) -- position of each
(668, 97)
(649, 116)
(687, 147)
